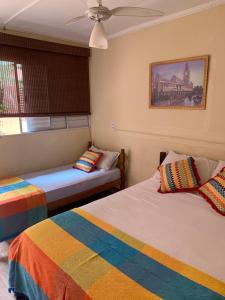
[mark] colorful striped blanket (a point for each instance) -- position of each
(77, 256)
(21, 205)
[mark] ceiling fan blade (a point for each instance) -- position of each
(136, 12)
(74, 20)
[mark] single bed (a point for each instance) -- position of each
(135, 244)
(65, 182)
(65, 185)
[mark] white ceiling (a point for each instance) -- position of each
(48, 17)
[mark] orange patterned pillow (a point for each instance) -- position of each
(179, 176)
(214, 192)
(88, 161)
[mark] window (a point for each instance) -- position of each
(11, 86)
(9, 126)
(43, 85)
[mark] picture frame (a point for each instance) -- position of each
(179, 84)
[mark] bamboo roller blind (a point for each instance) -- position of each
(40, 78)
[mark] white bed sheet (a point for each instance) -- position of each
(65, 181)
(182, 225)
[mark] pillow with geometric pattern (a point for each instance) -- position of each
(213, 191)
(179, 176)
(88, 161)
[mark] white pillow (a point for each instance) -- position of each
(219, 167)
(205, 166)
(173, 156)
(108, 159)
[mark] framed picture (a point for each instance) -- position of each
(180, 83)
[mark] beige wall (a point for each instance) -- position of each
(30, 152)
(120, 88)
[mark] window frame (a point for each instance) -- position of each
(67, 127)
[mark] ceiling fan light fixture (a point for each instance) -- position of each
(98, 37)
(100, 13)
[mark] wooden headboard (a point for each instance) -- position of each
(162, 157)
(121, 165)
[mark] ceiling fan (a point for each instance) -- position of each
(100, 13)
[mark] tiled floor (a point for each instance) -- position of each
(4, 295)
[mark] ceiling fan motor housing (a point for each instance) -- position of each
(100, 13)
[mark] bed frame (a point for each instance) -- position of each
(119, 184)
(162, 157)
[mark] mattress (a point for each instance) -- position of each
(65, 181)
(183, 225)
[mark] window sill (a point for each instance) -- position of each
(42, 131)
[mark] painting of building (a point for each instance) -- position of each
(179, 84)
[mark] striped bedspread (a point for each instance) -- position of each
(21, 205)
(77, 256)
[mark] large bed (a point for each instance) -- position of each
(135, 244)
